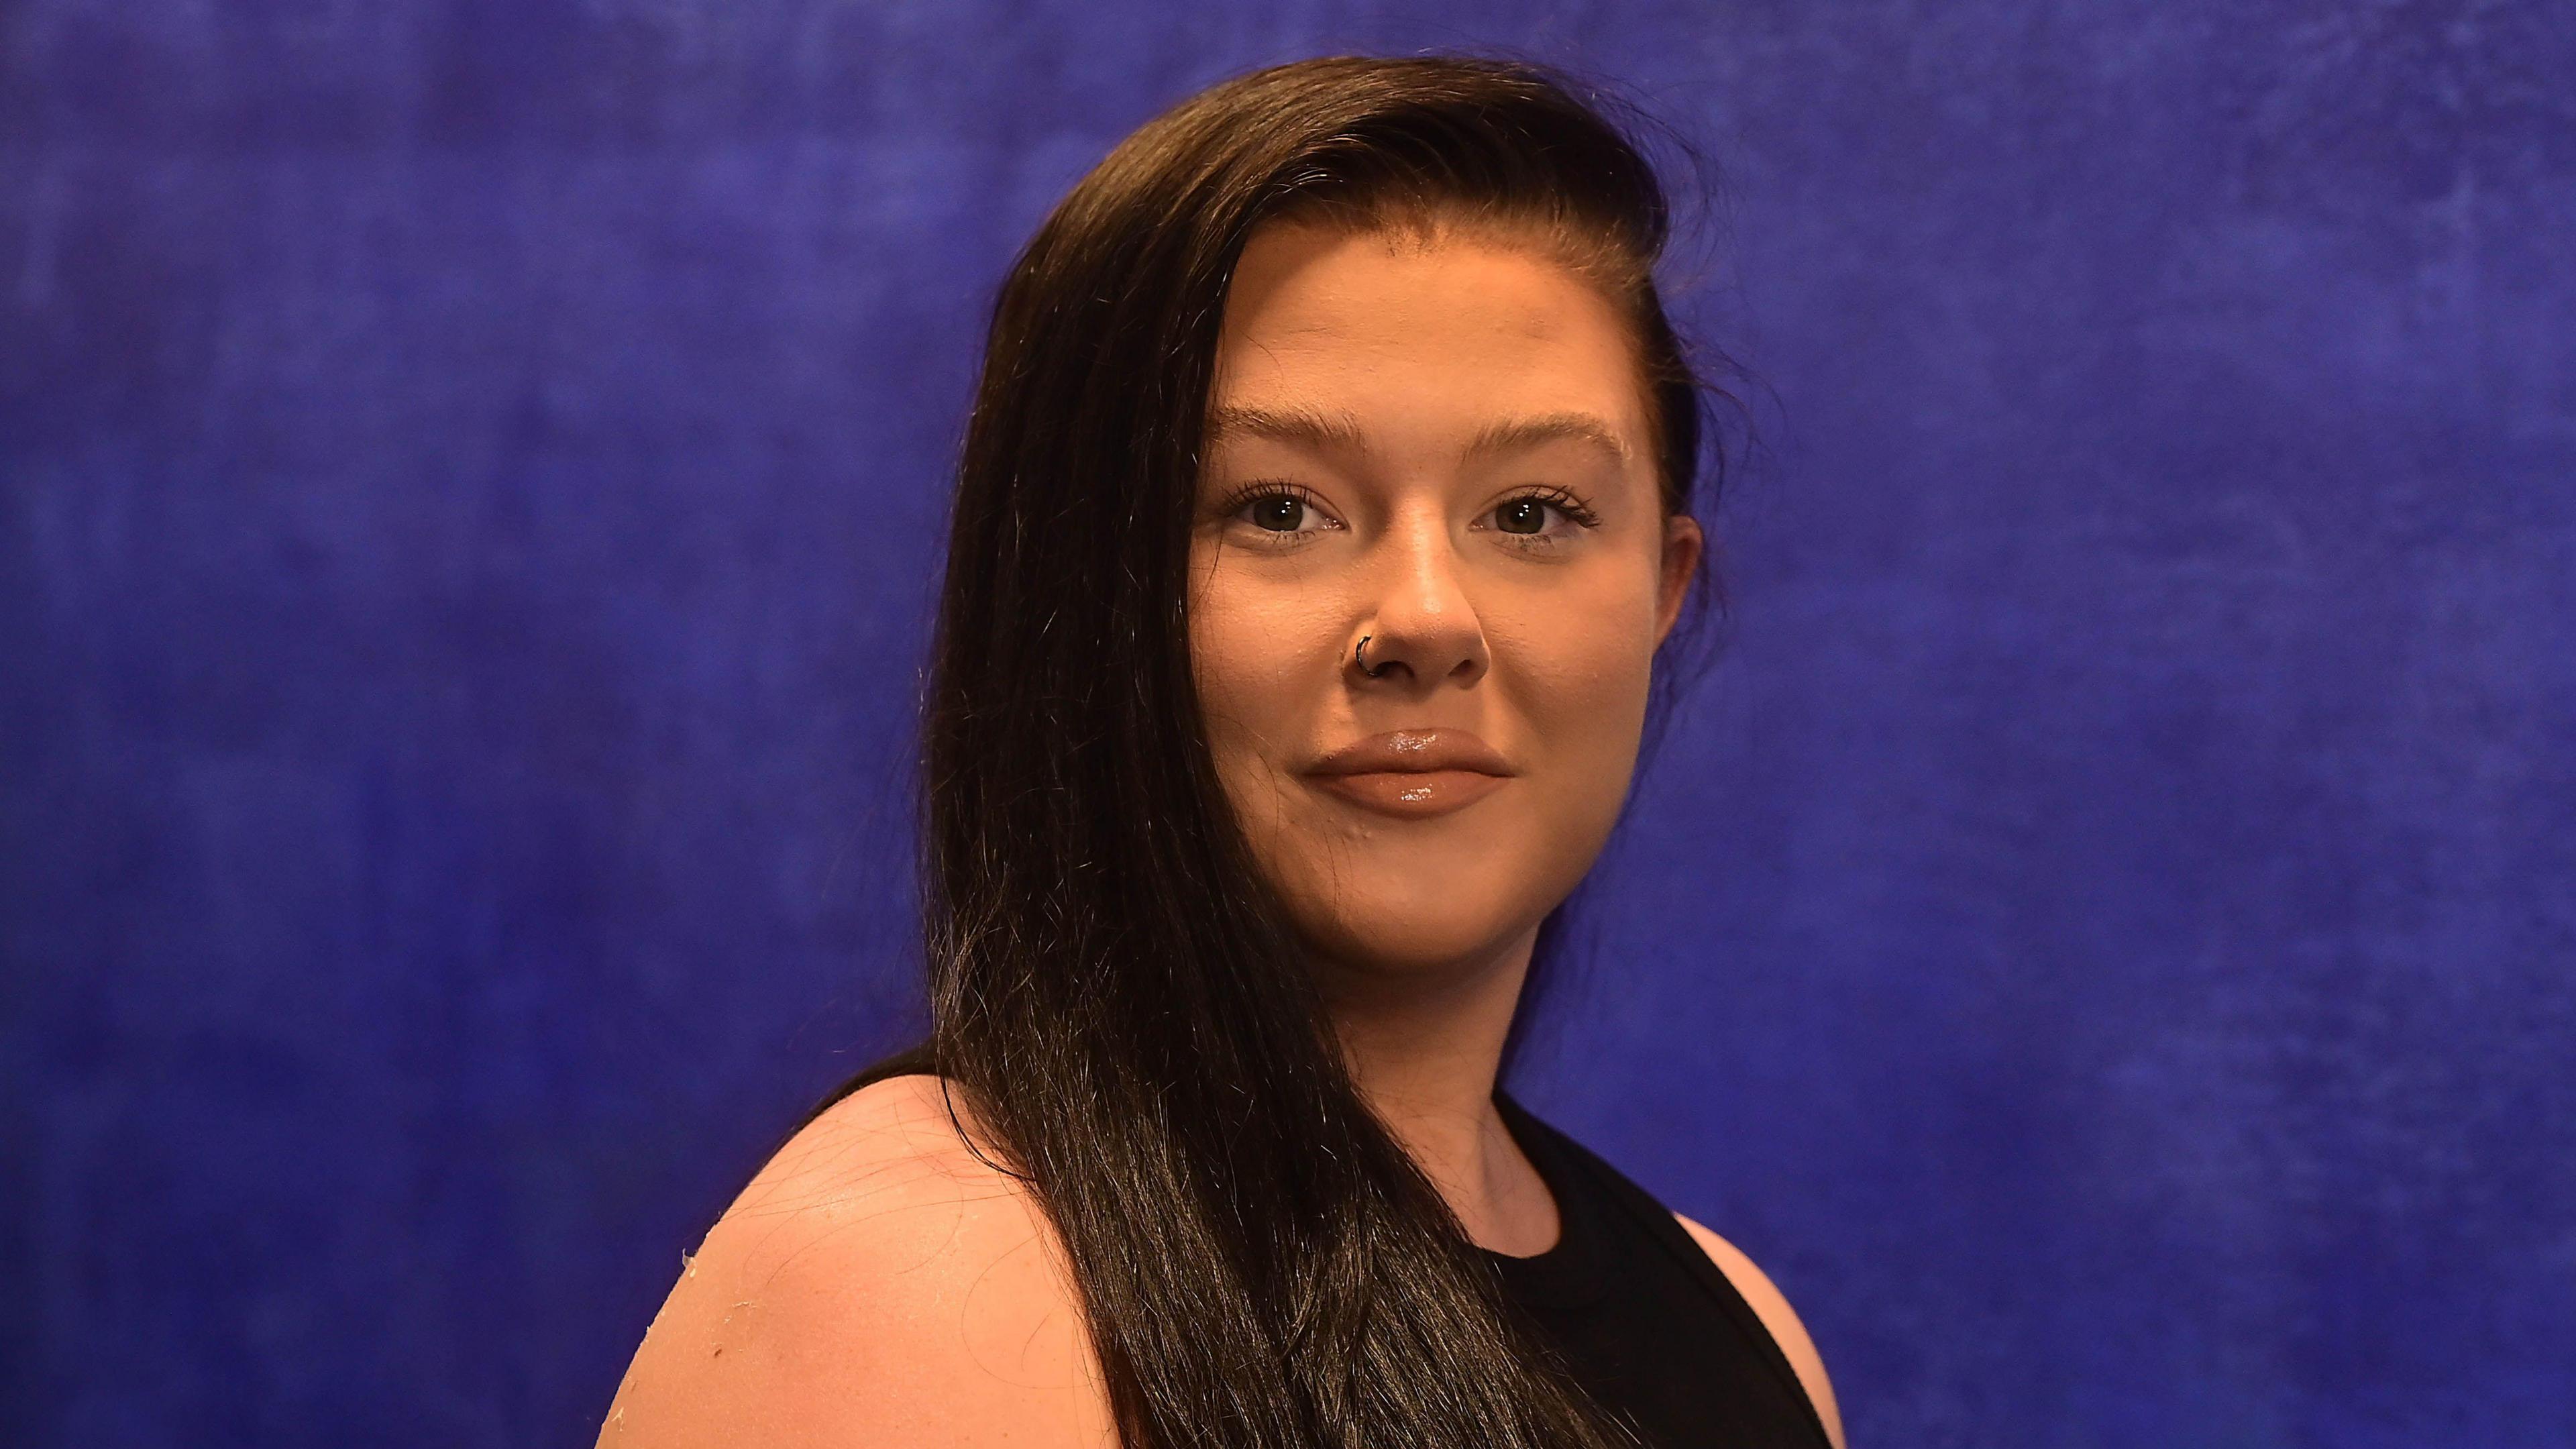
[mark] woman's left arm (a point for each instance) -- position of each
(1777, 1316)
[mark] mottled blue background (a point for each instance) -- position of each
(2101, 937)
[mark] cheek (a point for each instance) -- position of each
(1257, 656)
(1579, 676)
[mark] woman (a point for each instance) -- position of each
(1326, 502)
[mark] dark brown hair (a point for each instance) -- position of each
(1113, 988)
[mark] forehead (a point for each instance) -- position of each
(1442, 341)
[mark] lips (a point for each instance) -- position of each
(1412, 774)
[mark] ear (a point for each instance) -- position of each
(1682, 546)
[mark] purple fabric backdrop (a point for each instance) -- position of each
(2102, 937)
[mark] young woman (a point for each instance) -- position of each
(1327, 500)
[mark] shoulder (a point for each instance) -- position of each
(880, 1282)
(1773, 1309)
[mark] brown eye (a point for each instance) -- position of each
(1280, 513)
(1521, 515)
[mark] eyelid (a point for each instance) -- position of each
(1555, 496)
(1260, 488)
(1276, 488)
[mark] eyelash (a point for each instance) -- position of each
(1557, 498)
(1261, 488)
(1560, 500)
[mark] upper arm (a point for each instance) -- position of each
(1776, 1315)
(877, 1284)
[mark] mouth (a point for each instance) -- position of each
(1412, 774)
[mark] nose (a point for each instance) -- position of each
(1421, 628)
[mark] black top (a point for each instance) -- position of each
(1644, 1321)
(1633, 1307)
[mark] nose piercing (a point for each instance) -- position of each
(1359, 653)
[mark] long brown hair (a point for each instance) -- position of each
(1112, 986)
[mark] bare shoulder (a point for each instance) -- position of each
(879, 1283)
(1768, 1304)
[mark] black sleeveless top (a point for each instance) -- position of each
(1641, 1317)
(1626, 1298)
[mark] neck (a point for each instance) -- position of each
(1425, 1049)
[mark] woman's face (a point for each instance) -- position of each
(1443, 448)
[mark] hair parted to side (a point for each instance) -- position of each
(1113, 988)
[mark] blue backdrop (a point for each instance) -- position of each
(2101, 937)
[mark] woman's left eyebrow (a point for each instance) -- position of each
(1513, 434)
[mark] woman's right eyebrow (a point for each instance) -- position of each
(1321, 431)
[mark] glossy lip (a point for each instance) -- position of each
(1412, 774)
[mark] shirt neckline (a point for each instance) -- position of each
(1567, 1273)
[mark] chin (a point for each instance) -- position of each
(1426, 933)
(1432, 898)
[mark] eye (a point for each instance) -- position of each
(1279, 513)
(1280, 509)
(1541, 516)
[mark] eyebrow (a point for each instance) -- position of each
(1291, 425)
(1515, 434)
(1342, 431)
